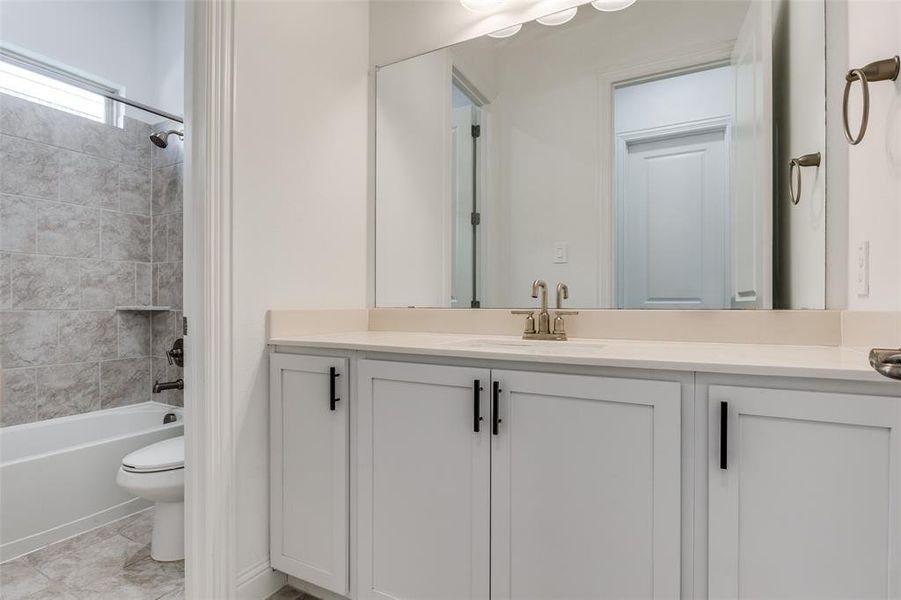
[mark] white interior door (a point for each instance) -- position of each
(424, 483)
(808, 504)
(752, 161)
(673, 204)
(462, 178)
(585, 488)
(309, 469)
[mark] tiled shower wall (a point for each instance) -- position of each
(78, 205)
(166, 256)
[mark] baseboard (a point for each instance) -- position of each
(15, 548)
(259, 581)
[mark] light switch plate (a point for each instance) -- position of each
(561, 253)
(862, 276)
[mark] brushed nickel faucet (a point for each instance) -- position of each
(540, 329)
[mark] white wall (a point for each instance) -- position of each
(300, 173)
(169, 75)
(136, 44)
(874, 166)
(799, 112)
(413, 184)
(691, 97)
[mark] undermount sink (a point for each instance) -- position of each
(533, 346)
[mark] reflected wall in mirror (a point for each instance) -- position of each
(640, 156)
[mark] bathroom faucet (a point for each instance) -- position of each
(541, 329)
(562, 294)
(544, 320)
(559, 326)
(178, 384)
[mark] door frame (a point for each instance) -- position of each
(481, 103)
(657, 134)
(655, 67)
(210, 434)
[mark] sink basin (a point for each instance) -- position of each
(529, 346)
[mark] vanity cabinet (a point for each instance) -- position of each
(309, 469)
(568, 486)
(585, 487)
(472, 482)
(424, 476)
(803, 494)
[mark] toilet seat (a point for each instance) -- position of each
(167, 455)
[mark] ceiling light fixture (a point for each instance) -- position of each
(505, 32)
(612, 5)
(559, 18)
(481, 5)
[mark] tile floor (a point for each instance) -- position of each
(289, 593)
(108, 563)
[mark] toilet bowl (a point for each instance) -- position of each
(157, 473)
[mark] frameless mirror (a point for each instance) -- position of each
(644, 157)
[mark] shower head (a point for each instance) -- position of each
(161, 138)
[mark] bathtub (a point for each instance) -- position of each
(58, 477)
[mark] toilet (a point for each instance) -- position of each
(157, 473)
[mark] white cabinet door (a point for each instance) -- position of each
(807, 503)
(585, 488)
(310, 469)
(423, 475)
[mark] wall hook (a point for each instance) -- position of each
(881, 70)
(794, 174)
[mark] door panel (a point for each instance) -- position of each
(585, 488)
(807, 506)
(674, 202)
(424, 483)
(462, 178)
(752, 161)
(309, 470)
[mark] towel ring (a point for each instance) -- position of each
(881, 70)
(794, 173)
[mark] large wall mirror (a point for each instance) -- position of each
(665, 156)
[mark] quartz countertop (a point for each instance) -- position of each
(820, 362)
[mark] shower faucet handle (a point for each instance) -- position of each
(176, 354)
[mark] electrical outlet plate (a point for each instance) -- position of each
(561, 253)
(862, 276)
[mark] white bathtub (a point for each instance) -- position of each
(58, 477)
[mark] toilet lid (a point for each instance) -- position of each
(161, 456)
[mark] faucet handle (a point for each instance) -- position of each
(530, 319)
(559, 326)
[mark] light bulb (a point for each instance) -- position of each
(506, 32)
(559, 18)
(612, 5)
(481, 5)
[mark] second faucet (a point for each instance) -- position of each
(540, 329)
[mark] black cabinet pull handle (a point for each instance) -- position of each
(332, 376)
(476, 409)
(724, 433)
(495, 396)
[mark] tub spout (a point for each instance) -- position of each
(178, 384)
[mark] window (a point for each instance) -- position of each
(43, 84)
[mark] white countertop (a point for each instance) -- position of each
(821, 362)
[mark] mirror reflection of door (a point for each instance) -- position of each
(465, 133)
(672, 191)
